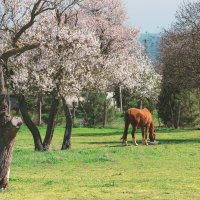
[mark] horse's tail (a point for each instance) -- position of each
(126, 125)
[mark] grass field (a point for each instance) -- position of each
(98, 167)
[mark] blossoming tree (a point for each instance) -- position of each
(16, 18)
(125, 62)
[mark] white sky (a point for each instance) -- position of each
(152, 15)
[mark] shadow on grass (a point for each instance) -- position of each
(171, 130)
(160, 142)
(120, 132)
(178, 141)
(112, 143)
(97, 134)
(107, 143)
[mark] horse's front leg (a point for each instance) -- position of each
(133, 135)
(146, 135)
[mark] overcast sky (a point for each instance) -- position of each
(152, 15)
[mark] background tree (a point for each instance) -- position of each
(125, 59)
(179, 56)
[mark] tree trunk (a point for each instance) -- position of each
(199, 101)
(120, 98)
(51, 123)
(179, 114)
(2, 83)
(141, 104)
(172, 113)
(190, 109)
(159, 124)
(69, 125)
(9, 104)
(8, 130)
(29, 123)
(73, 112)
(85, 113)
(7, 138)
(39, 109)
(105, 114)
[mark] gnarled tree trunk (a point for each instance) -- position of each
(8, 130)
(69, 125)
(51, 123)
(29, 123)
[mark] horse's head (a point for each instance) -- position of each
(152, 134)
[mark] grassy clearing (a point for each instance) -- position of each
(98, 167)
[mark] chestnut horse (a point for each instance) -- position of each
(139, 118)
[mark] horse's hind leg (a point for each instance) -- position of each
(133, 135)
(127, 122)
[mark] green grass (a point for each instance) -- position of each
(98, 167)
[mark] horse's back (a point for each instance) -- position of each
(139, 117)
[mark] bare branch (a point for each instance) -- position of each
(38, 8)
(16, 51)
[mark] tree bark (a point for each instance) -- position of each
(159, 124)
(190, 109)
(73, 112)
(120, 98)
(7, 138)
(39, 109)
(8, 130)
(199, 101)
(9, 103)
(51, 123)
(177, 115)
(2, 83)
(105, 114)
(69, 125)
(172, 113)
(29, 123)
(141, 104)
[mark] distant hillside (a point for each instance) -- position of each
(152, 41)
